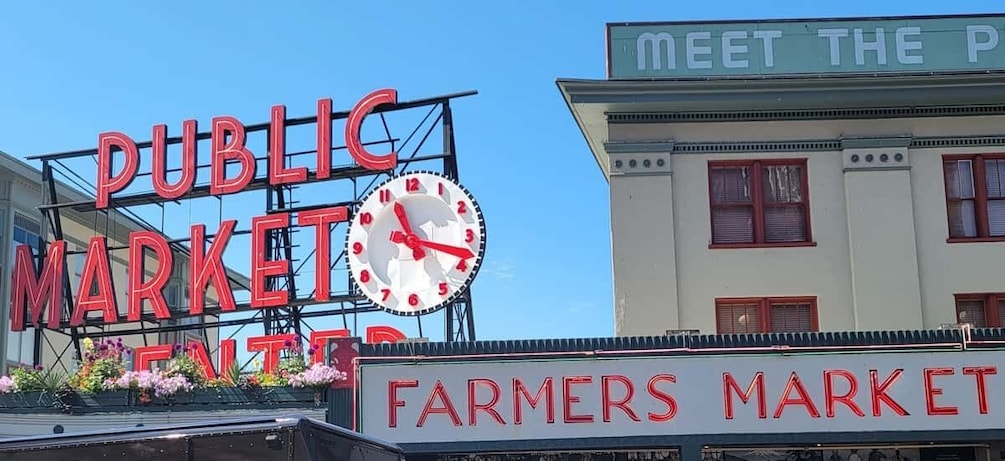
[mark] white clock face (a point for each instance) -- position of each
(415, 243)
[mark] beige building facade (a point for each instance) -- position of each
(801, 203)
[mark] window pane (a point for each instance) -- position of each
(791, 317)
(782, 183)
(994, 176)
(785, 224)
(13, 346)
(28, 346)
(733, 225)
(1001, 312)
(730, 185)
(971, 311)
(739, 318)
(959, 179)
(962, 219)
(996, 217)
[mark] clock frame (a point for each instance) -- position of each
(424, 268)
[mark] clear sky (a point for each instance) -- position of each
(74, 69)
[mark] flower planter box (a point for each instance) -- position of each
(108, 399)
(39, 400)
(208, 396)
(124, 400)
(231, 395)
(294, 395)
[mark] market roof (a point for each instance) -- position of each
(209, 428)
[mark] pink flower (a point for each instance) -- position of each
(318, 375)
(7, 385)
(157, 381)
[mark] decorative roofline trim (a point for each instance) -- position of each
(644, 147)
(756, 146)
(854, 341)
(805, 114)
(876, 142)
(829, 145)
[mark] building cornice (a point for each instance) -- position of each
(596, 104)
(836, 92)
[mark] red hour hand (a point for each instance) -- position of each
(399, 211)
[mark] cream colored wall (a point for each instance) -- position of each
(881, 260)
(949, 268)
(704, 274)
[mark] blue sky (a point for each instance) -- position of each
(74, 69)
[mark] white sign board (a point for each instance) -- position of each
(616, 397)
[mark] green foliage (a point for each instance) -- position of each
(184, 365)
(293, 360)
(38, 379)
(102, 361)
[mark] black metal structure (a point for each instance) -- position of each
(293, 438)
(59, 176)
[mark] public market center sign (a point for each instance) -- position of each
(809, 47)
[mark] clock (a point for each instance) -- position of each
(415, 243)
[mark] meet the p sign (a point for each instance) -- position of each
(416, 243)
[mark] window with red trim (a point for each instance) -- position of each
(759, 202)
(975, 196)
(765, 315)
(981, 310)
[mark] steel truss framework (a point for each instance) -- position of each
(291, 318)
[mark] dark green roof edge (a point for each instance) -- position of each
(694, 343)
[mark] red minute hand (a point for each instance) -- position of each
(460, 252)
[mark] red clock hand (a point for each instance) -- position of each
(399, 211)
(410, 240)
(460, 252)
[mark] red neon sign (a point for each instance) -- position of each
(227, 141)
(36, 290)
(271, 346)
